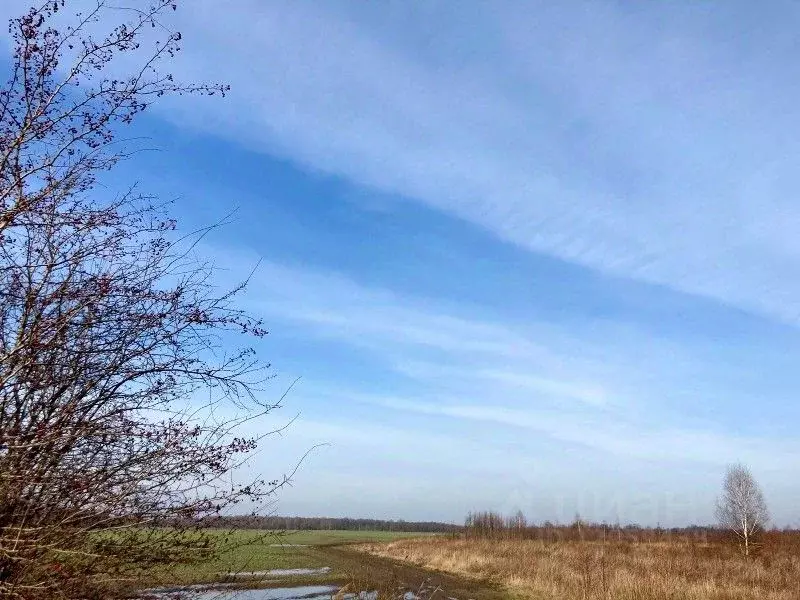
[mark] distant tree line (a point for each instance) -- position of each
(741, 510)
(492, 525)
(330, 523)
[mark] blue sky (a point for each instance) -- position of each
(537, 256)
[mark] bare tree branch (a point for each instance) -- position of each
(108, 325)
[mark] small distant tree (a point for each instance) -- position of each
(742, 509)
(517, 524)
(579, 525)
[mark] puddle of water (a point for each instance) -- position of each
(304, 592)
(226, 591)
(288, 572)
(281, 572)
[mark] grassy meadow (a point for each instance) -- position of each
(258, 550)
(594, 570)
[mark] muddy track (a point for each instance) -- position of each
(366, 571)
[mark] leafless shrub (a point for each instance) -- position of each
(110, 330)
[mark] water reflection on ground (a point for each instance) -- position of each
(280, 572)
(232, 591)
(305, 592)
(302, 592)
(221, 592)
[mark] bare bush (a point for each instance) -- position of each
(111, 332)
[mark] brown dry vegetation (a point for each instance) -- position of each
(633, 570)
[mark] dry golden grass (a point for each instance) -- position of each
(567, 570)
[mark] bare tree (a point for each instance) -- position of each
(517, 524)
(742, 509)
(112, 361)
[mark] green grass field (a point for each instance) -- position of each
(326, 538)
(254, 550)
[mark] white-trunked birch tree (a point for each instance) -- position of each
(742, 509)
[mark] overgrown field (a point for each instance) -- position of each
(586, 570)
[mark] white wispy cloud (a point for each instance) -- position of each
(651, 144)
(338, 306)
(614, 389)
(565, 406)
(633, 142)
(502, 377)
(616, 435)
